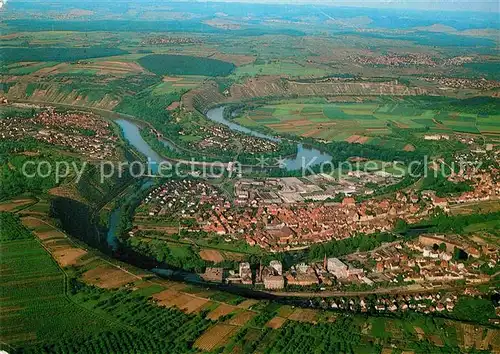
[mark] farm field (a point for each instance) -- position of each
(276, 322)
(207, 319)
(364, 123)
(178, 83)
(283, 68)
(16, 204)
(33, 288)
(215, 337)
(219, 256)
(37, 296)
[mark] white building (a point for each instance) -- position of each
(244, 268)
(274, 282)
(337, 268)
(277, 266)
(436, 137)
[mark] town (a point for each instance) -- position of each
(284, 214)
(422, 270)
(410, 59)
(463, 83)
(170, 40)
(80, 132)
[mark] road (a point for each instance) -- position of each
(389, 291)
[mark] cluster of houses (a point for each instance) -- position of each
(184, 198)
(261, 216)
(421, 303)
(412, 59)
(425, 303)
(430, 260)
(79, 132)
(163, 40)
(273, 277)
(463, 83)
(282, 227)
(218, 138)
(398, 60)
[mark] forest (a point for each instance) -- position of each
(58, 54)
(150, 108)
(163, 64)
(443, 187)
(457, 223)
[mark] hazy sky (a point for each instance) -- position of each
(449, 5)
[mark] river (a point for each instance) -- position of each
(131, 131)
(306, 156)
(114, 218)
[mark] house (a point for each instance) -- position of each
(337, 268)
(348, 202)
(274, 282)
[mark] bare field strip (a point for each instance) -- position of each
(163, 298)
(172, 79)
(179, 301)
(69, 256)
(276, 322)
(211, 255)
(352, 138)
(215, 337)
(195, 305)
(221, 310)
(108, 277)
(53, 234)
(32, 223)
(13, 204)
(242, 318)
(303, 315)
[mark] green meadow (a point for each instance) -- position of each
(363, 122)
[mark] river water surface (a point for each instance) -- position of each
(306, 156)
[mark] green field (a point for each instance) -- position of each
(43, 311)
(26, 69)
(177, 84)
(33, 291)
(364, 123)
(286, 68)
